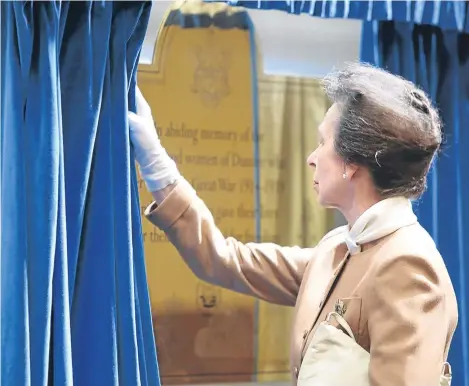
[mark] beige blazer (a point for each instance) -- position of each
(396, 294)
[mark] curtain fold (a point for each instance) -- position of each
(438, 61)
(75, 308)
(448, 15)
(290, 110)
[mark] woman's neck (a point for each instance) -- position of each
(358, 207)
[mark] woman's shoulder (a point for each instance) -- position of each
(411, 240)
(410, 248)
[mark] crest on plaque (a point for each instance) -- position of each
(211, 73)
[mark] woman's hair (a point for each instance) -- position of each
(388, 125)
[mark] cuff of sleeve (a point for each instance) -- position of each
(172, 207)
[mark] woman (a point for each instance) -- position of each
(382, 272)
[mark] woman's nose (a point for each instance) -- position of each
(311, 160)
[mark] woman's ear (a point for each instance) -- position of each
(350, 170)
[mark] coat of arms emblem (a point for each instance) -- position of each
(211, 74)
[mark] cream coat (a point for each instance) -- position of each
(397, 294)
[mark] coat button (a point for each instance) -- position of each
(296, 371)
(305, 334)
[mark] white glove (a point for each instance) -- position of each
(157, 168)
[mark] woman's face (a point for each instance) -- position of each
(329, 168)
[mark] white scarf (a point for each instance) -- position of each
(382, 219)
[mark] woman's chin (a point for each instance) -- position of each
(319, 197)
(323, 200)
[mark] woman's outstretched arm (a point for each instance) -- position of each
(266, 271)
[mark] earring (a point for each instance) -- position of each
(344, 176)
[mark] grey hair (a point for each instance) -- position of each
(387, 124)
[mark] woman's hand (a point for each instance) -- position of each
(157, 168)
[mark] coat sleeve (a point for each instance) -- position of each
(410, 318)
(263, 270)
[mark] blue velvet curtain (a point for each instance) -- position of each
(75, 307)
(438, 61)
(452, 15)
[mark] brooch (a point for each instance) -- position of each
(340, 307)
